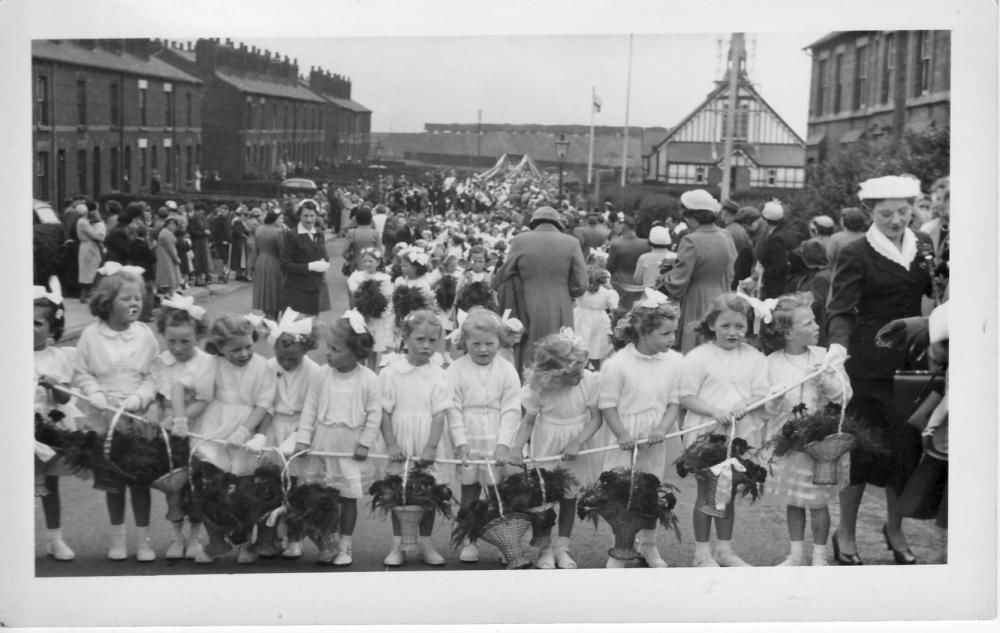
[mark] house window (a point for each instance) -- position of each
(143, 167)
(60, 176)
(113, 98)
(154, 164)
(249, 114)
(168, 157)
(42, 177)
(127, 165)
(142, 107)
(924, 47)
(189, 167)
(189, 108)
(772, 176)
(821, 87)
(838, 87)
(97, 172)
(113, 165)
(699, 173)
(888, 61)
(81, 102)
(169, 97)
(860, 77)
(741, 125)
(42, 99)
(685, 174)
(81, 171)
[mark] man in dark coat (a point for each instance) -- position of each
(772, 253)
(743, 267)
(591, 235)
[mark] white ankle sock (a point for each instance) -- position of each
(178, 528)
(397, 542)
(344, 542)
(819, 551)
(562, 543)
(142, 533)
(647, 537)
(54, 535)
(723, 547)
(702, 550)
(118, 531)
(795, 549)
(194, 532)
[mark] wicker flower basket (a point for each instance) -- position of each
(506, 533)
(59, 466)
(708, 484)
(826, 453)
(625, 525)
(409, 525)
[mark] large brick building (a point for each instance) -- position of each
(348, 128)
(864, 82)
(109, 116)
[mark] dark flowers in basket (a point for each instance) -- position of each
(651, 499)
(405, 300)
(444, 291)
(526, 491)
(369, 300)
(421, 490)
(143, 460)
(313, 510)
(471, 522)
(232, 505)
(804, 427)
(709, 449)
(81, 449)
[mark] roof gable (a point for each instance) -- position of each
(69, 52)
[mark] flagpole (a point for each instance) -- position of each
(628, 91)
(590, 156)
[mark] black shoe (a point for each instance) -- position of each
(902, 557)
(851, 560)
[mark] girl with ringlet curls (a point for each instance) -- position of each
(560, 416)
(113, 368)
(639, 398)
(342, 413)
(719, 380)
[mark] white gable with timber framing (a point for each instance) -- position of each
(766, 151)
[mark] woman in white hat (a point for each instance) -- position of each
(704, 268)
(877, 279)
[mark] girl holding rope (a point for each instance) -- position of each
(719, 380)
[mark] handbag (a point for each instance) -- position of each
(916, 394)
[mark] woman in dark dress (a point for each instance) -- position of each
(198, 230)
(304, 262)
(267, 278)
(876, 280)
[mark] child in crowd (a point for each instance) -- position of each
(791, 339)
(414, 264)
(639, 398)
(53, 369)
(415, 401)
(113, 369)
(590, 316)
(232, 395)
(561, 415)
(476, 270)
(719, 380)
(486, 406)
(342, 414)
(381, 325)
(181, 324)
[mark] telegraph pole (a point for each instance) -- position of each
(735, 54)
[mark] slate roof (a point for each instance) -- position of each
(69, 52)
(269, 88)
(348, 104)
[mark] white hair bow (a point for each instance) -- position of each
(598, 252)
(418, 256)
(568, 333)
(55, 295)
(456, 334)
(257, 320)
(288, 325)
(511, 323)
(762, 309)
(110, 268)
(180, 302)
(654, 299)
(357, 321)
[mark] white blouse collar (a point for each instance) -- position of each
(884, 246)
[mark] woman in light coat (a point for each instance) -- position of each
(90, 231)
(168, 262)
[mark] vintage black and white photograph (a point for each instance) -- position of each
(615, 307)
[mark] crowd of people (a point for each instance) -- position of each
(497, 321)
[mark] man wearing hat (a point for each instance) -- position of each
(543, 273)
(592, 235)
(822, 227)
(623, 256)
(704, 268)
(743, 267)
(772, 251)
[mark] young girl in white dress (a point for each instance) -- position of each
(53, 369)
(561, 415)
(791, 338)
(342, 414)
(590, 316)
(113, 368)
(414, 263)
(486, 407)
(381, 327)
(639, 399)
(232, 395)
(719, 380)
(181, 324)
(477, 267)
(415, 402)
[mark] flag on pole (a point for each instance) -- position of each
(597, 103)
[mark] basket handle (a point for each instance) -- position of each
(191, 453)
(406, 476)
(843, 404)
(496, 488)
(541, 483)
(631, 479)
(111, 432)
(166, 444)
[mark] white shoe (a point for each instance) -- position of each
(193, 549)
(651, 555)
(59, 550)
(344, 557)
(614, 563)
(202, 558)
(326, 555)
(564, 560)
(175, 551)
(704, 561)
(469, 553)
(729, 559)
(791, 561)
(292, 550)
(118, 550)
(145, 552)
(246, 555)
(430, 555)
(546, 559)
(819, 561)
(394, 558)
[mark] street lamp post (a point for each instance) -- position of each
(562, 145)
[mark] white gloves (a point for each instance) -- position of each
(318, 266)
(835, 356)
(179, 427)
(99, 400)
(132, 403)
(256, 443)
(239, 436)
(287, 447)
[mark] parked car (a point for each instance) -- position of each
(297, 186)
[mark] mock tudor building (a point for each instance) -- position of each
(109, 116)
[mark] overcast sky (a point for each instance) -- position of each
(409, 81)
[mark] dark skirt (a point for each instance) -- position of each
(926, 493)
(873, 406)
(303, 301)
(201, 255)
